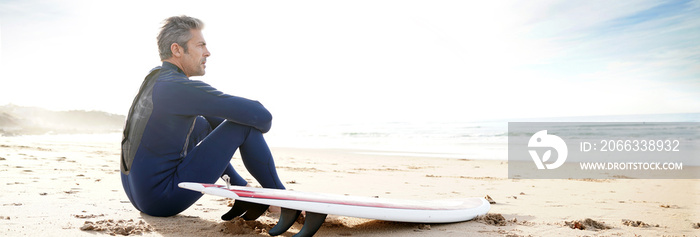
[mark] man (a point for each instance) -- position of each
(185, 130)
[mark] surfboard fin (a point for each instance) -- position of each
(249, 210)
(312, 223)
(287, 219)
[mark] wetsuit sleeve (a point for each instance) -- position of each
(214, 121)
(192, 98)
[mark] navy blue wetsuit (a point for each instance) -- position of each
(182, 130)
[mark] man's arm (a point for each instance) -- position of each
(214, 121)
(192, 98)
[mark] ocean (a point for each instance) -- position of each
(460, 140)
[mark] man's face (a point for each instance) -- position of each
(195, 59)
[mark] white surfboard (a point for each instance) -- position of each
(416, 211)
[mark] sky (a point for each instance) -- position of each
(347, 61)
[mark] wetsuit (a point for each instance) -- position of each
(182, 130)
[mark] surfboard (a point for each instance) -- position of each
(415, 211)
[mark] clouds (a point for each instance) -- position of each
(372, 60)
(632, 57)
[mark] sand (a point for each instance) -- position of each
(70, 186)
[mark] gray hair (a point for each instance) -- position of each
(176, 29)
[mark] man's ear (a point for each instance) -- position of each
(175, 50)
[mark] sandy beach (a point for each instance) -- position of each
(70, 186)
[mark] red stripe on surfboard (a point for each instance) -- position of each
(253, 194)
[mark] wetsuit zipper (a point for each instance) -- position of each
(187, 139)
